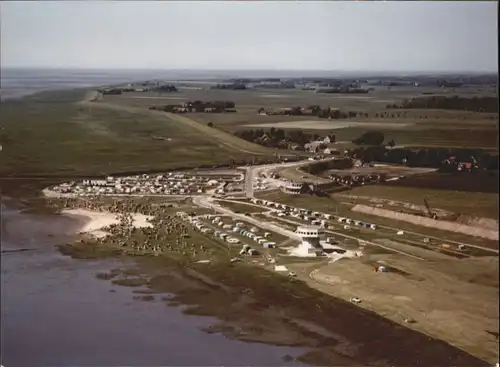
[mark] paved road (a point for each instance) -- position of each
(253, 172)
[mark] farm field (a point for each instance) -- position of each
(471, 203)
(406, 127)
(480, 182)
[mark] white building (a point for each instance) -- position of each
(310, 245)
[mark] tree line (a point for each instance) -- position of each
(166, 88)
(344, 90)
(446, 159)
(314, 110)
(277, 138)
(232, 86)
(475, 104)
(198, 106)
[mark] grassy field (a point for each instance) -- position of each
(442, 296)
(240, 208)
(251, 100)
(416, 127)
(471, 203)
(52, 134)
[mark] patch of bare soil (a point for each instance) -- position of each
(487, 223)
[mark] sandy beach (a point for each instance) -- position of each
(96, 221)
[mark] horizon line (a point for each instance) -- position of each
(281, 71)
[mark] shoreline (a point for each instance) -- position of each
(95, 222)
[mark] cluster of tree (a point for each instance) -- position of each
(315, 110)
(232, 86)
(123, 90)
(206, 104)
(276, 138)
(476, 104)
(318, 167)
(198, 106)
(276, 85)
(333, 82)
(166, 88)
(449, 84)
(370, 138)
(293, 111)
(428, 157)
(450, 81)
(346, 89)
(114, 91)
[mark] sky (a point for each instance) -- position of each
(250, 35)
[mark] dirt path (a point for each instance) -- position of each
(221, 136)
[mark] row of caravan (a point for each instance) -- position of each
(316, 218)
(284, 209)
(205, 230)
(356, 223)
(237, 229)
(261, 240)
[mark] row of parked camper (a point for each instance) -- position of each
(239, 228)
(199, 225)
(290, 210)
(316, 218)
(356, 222)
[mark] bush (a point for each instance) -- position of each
(370, 138)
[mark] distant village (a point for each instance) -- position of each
(291, 139)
